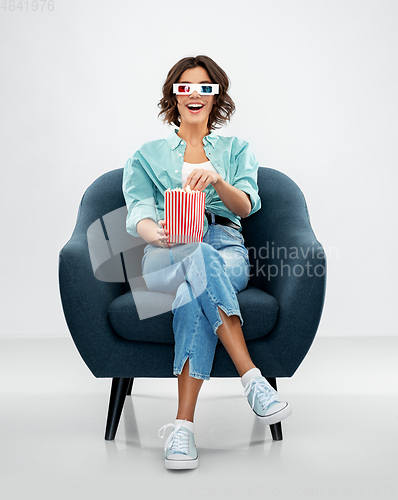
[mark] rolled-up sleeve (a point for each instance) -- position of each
(139, 195)
(245, 177)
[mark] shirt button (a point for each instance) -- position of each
(180, 154)
(176, 171)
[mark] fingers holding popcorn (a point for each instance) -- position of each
(199, 179)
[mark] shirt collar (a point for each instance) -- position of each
(174, 140)
(212, 139)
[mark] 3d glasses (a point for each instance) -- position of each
(201, 88)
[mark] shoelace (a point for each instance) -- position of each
(265, 394)
(179, 438)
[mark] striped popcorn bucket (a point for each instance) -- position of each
(184, 215)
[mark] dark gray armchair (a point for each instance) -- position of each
(123, 331)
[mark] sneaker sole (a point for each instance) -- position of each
(275, 417)
(181, 464)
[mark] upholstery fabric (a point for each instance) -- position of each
(258, 308)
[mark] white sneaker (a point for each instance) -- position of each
(180, 449)
(265, 402)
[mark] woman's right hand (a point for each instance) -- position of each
(164, 234)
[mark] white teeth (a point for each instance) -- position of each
(195, 105)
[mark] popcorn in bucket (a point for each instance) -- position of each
(184, 211)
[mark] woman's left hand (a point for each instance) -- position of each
(200, 178)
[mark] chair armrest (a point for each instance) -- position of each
(289, 263)
(298, 283)
(85, 301)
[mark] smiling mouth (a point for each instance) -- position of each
(194, 108)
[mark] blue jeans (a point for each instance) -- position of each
(203, 276)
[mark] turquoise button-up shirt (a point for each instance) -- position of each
(157, 166)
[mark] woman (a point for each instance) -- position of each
(205, 277)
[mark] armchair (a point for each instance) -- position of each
(123, 331)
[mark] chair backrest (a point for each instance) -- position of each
(102, 197)
(116, 255)
(280, 196)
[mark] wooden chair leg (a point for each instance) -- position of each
(116, 402)
(130, 386)
(276, 429)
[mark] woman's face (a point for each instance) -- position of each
(197, 115)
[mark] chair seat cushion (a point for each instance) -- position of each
(154, 322)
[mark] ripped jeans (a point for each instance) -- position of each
(203, 276)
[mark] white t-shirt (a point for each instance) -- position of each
(188, 167)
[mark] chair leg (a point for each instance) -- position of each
(276, 429)
(116, 402)
(130, 386)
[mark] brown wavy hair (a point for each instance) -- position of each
(223, 105)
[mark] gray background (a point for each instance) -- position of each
(314, 83)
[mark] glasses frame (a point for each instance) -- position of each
(196, 86)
